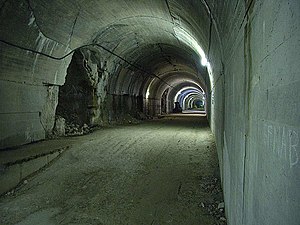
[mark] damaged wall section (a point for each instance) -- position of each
(84, 99)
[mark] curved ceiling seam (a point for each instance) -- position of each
(83, 46)
(174, 78)
(194, 88)
(130, 51)
(179, 87)
(191, 101)
(188, 96)
(180, 70)
(155, 58)
(188, 75)
(174, 25)
(177, 59)
(192, 95)
(130, 17)
(111, 25)
(187, 92)
(194, 74)
(159, 90)
(128, 62)
(88, 45)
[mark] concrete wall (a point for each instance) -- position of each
(259, 146)
(253, 103)
(28, 82)
(28, 92)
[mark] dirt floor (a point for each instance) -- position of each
(158, 172)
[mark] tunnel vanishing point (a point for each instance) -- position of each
(85, 64)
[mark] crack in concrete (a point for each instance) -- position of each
(274, 50)
(236, 5)
(179, 188)
(37, 23)
(246, 13)
(20, 161)
(40, 117)
(209, 41)
(117, 45)
(213, 20)
(248, 84)
(165, 56)
(73, 28)
(35, 20)
(169, 9)
(172, 21)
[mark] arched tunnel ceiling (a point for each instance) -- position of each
(141, 31)
(174, 79)
(146, 20)
(165, 60)
(182, 86)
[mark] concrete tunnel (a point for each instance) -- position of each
(93, 63)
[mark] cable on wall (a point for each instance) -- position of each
(83, 46)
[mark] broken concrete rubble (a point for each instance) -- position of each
(214, 207)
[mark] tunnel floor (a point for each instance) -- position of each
(163, 171)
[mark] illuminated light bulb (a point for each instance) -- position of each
(189, 40)
(147, 93)
(204, 61)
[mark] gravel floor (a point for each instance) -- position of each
(158, 172)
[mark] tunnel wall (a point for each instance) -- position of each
(29, 82)
(253, 105)
(258, 136)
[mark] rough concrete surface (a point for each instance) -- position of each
(159, 172)
(139, 49)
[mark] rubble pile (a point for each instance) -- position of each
(210, 185)
(125, 119)
(63, 127)
(214, 206)
(72, 129)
